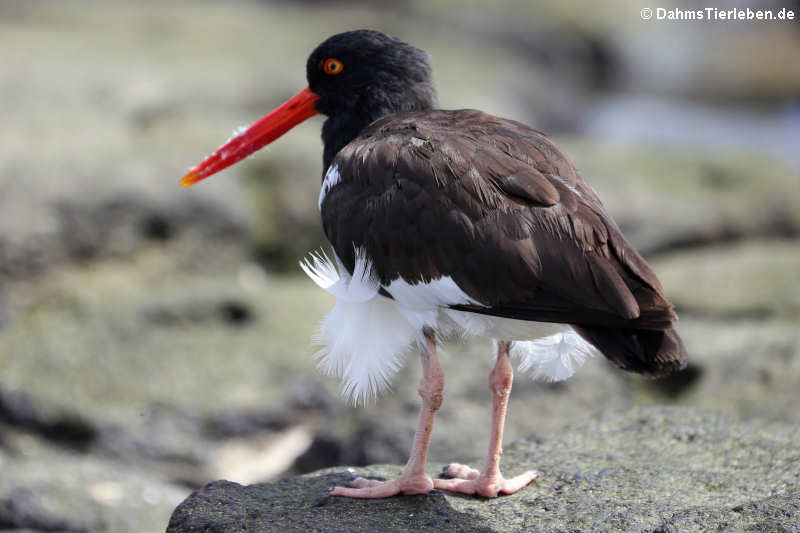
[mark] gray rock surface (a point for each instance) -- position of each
(648, 469)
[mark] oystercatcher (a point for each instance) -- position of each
(455, 222)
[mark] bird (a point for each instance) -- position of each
(455, 223)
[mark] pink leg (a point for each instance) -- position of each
(413, 479)
(490, 482)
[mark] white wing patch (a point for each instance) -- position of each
(332, 177)
(553, 358)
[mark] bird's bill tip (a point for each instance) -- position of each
(190, 179)
(247, 140)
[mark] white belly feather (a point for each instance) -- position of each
(366, 337)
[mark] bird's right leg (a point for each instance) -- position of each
(413, 479)
(490, 482)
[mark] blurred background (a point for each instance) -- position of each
(154, 338)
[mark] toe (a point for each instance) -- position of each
(488, 488)
(361, 482)
(510, 486)
(382, 490)
(370, 488)
(457, 470)
(463, 486)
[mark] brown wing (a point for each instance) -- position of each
(500, 209)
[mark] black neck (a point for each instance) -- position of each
(344, 126)
(338, 131)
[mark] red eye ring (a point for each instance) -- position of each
(332, 66)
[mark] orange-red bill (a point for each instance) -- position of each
(268, 128)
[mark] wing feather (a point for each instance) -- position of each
(500, 209)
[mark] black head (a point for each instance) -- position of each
(355, 78)
(361, 76)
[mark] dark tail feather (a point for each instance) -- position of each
(650, 352)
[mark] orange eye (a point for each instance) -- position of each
(332, 66)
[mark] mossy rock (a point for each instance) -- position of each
(646, 469)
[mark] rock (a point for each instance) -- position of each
(83, 229)
(667, 200)
(751, 368)
(645, 469)
(374, 441)
(22, 510)
(232, 312)
(66, 428)
(758, 279)
(45, 488)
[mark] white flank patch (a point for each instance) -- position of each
(553, 358)
(366, 337)
(424, 304)
(436, 293)
(462, 324)
(359, 287)
(364, 344)
(332, 177)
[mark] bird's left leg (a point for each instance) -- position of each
(413, 479)
(490, 482)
